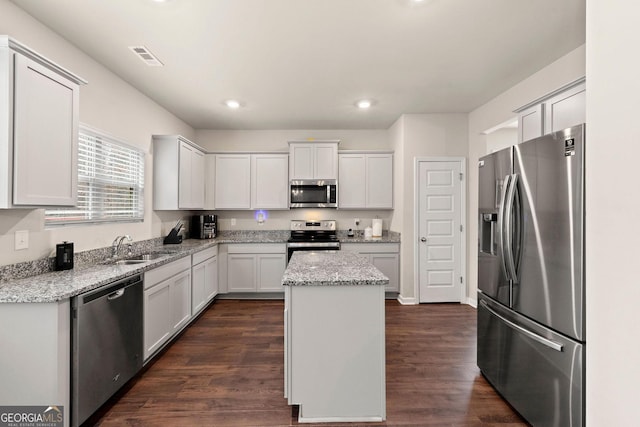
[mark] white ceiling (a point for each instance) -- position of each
(302, 64)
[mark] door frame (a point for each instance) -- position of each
(464, 299)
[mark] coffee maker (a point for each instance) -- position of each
(203, 226)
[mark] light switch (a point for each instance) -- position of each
(21, 240)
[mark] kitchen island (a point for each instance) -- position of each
(334, 337)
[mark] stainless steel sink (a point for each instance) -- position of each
(130, 261)
(147, 257)
(140, 259)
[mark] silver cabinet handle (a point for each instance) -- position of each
(542, 340)
(423, 239)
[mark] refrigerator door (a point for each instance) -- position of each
(539, 372)
(492, 279)
(550, 280)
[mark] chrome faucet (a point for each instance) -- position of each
(118, 241)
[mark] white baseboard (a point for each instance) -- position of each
(472, 302)
(407, 301)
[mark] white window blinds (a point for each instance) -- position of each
(110, 182)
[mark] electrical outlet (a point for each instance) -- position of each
(357, 221)
(21, 240)
(233, 222)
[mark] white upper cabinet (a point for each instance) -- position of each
(39, 106)
(249, 181)
(233, 181)
(269, 181)
(178, 173)
(565, 109)
(558, 110)
(313, 160)
(530, 123)
(366, 180)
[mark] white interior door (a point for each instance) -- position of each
(439, 231)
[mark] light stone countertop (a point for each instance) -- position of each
(59, 285)
(331, 268)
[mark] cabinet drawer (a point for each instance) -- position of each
(201, 256)
(157, 275)
(371, 248)
(258, 248)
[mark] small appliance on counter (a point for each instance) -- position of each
(64, 256)
(377, 227)
(174, 237)
(203, 226)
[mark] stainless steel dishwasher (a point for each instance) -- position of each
(107, 343)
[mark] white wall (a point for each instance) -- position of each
(612, 213)
(420, 135)
(276, 140)
(501, 138)
(107, 103)
(500, 110)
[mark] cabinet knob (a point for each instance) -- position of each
(423, 239)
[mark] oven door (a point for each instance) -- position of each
(307, 246)
(313, 194)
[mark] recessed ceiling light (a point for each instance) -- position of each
(232, 103)
(364, 104)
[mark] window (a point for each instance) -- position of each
(110, 182)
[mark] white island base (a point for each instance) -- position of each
(335, 352)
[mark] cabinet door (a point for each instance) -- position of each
(233, 181)
(184, 176)
(301, 161)
(269, 181)
(181, 300)
(530, 123)
(241, 272)
(45, 136)
(379, 185)
(389, 265)
(270, 271)
(198, 292)
(565, 109)
(210, 181)
(197, 179)
(325, 161)
(351, 192)
(210, 278)
(158, 319)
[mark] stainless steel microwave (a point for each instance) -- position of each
(311, 193)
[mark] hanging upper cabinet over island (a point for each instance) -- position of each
(39, 105)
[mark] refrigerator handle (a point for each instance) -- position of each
(542, 340)
(501, 223)
(509, 259)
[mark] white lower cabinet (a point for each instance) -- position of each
(204, 286)
(167, 303)
(384, 256)
(256, 267)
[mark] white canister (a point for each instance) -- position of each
(368, 233)
(377, 227)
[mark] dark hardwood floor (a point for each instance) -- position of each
(227, 369)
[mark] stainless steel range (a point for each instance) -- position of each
(312, 236)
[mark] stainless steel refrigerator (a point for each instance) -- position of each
(531, 298)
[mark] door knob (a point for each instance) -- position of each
(423, 239)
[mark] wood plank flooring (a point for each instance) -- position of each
(227, 369)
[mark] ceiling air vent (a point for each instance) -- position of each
(146, 56)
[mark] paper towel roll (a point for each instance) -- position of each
(377, 227)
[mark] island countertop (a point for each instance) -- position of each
(327, 268)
